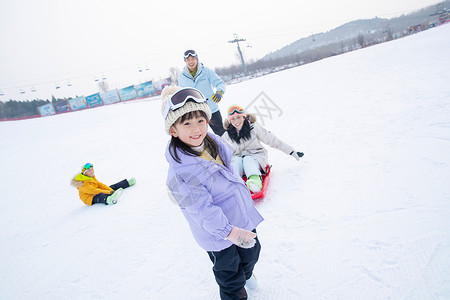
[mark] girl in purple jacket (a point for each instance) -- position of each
(215, 201)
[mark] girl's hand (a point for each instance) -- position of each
(242, 238)
(297, 155)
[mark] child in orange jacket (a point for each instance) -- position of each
(92, 191)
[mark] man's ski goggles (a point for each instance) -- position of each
(190, 53)
(181, 97)
(235, 109)
(87, 166)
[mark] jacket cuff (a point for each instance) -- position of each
(226, 231)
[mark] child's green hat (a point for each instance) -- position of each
(85, 167)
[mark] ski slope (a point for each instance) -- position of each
(365, 214)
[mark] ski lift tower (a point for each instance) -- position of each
(236, 40)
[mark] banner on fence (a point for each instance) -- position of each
(128, 93)
(145, 89)
(61, 106)
(160, 84)
(110, 97)
(93, 100)
(77, 103)
(46, 110)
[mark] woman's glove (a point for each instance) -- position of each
(296, 154)
(217, 96)
(242, 238)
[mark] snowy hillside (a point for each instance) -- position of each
(372, 29)
(365, 214)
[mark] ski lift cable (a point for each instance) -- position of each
(152, 57)
(72, 78)
(37, 81)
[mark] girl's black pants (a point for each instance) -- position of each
(232, 267)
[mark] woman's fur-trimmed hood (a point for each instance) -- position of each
(78, 180)
(250, 117)
(75, 183)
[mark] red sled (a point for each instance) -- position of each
(265, 182)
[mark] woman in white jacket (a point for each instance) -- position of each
(249, 156)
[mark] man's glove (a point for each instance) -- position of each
(296, 154)
(242, 238)
(217, 96)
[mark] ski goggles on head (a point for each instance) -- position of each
(190, 53)
(181, 97)
(87, 166)
(235, 109)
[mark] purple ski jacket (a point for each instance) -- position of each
(212, 197)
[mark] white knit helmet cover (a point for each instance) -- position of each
(189, 106)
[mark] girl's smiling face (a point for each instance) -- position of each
(191, 131)
(237, 120)
(89, 172)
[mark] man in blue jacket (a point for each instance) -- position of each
(196, 75)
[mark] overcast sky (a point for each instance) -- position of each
(49, 43)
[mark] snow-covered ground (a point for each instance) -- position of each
(365, 214)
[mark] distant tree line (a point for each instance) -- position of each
(266, 66)
(19, 109)
(395, 29)
(13, 109)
